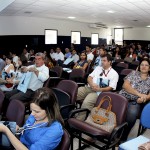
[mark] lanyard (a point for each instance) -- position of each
(28, 127)
(106, 73)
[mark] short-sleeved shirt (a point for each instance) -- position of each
(142, 86)
(112, 76)
(90, 56)
(43, 137)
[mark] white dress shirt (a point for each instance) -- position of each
(90, 56)
(37, 82)
(59, 56)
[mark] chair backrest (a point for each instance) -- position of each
(122, 65)
(16, 112)
(62, 97)
(77, 75)
(1, 100)
(46, 83)
(145, 119)
(65, 141)
(69, 87)
(58, 70)
(126, 71)
(119, 105)
(119, 60)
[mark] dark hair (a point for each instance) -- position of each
(84, 54)
(9, 57)
(108, 56)
(144, 59)
(46, 100)
(88, 46)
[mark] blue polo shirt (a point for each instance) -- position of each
(41, 137)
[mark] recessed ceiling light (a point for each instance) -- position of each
(111, 11)
(148, 26)
(71, 17)
(118, 26)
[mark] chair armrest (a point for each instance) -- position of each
(117, 132)
(76, 111)
(80, 84)
(71, 106)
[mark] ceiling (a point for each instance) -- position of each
(127, 13)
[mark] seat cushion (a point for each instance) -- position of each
(134, 143)
(87, 128)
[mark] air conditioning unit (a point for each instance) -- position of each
(96, 25)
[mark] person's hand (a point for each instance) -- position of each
(17, 128)
(95, 88)
(139, 100)
(9, 80)
(143, 97)
(24, 69)
(32, 69)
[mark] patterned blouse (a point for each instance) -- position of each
(142, 86)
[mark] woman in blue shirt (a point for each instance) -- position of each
(43, 129)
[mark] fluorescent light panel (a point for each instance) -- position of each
(5, 3)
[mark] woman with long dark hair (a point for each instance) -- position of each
(43, 128)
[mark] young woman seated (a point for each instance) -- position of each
(82, 63)
(43, 128)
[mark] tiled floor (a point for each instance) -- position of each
(132, 134)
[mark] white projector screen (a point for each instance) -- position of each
(94, 39)
(75, 37)
(51, 36)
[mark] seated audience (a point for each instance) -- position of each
(31, 55)
(68, 53)
(89, 53)
(15, 59)
(2, 64)
(136, 89)
(82, 63)
(59, 56)
(43, 128)
(104, 78)
(26, 54)
(98, 62)
(40, 73)
(16, 77)
(116, 54)
(131, 54)
(52, 53)
(74, 56)
(140, 52)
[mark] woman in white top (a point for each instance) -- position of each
(8, 69)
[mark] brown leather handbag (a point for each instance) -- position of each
(103, 118)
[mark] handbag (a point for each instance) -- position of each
(102, 118)
(24, 82)
(4, 141)
(145, 146)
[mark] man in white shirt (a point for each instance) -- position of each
(52, 53)
(40, 73)
(74, 56)
(90, 56)
(102, 79)
(59, 56)
(2, 64)
(26, 54)
(15, 59)
(98, 62)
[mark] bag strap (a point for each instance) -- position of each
(105, 98)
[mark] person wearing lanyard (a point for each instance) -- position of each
(104, 78)
(43, 128)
